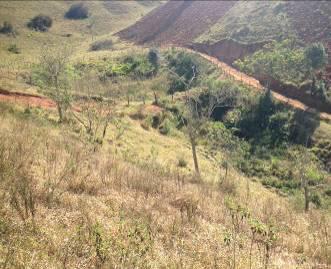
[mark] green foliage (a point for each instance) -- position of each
(284, 61)
(316, 56)
(266, 123)
(153, 58)
(186, 71)
(165, 127)
(40, 23)
(135, 66)
(181, 162)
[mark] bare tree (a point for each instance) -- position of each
(52, 76)
(96, 111)
(306, 169)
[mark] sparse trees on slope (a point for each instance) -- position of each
(307, 173)
(52, 75)
(97, 112)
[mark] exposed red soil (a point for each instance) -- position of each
(228, 50)
(26, 99)
(176, 22)
(311, 19)
(152, 109)
(30, 100)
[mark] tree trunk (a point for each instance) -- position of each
(156, 102)
(194, 153)
(306, 192)
(59, 109)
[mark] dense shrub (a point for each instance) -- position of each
(77, 12)
(185, 67)
(316, 56)
(40, 23)
(165, 127)
(181, 162)
(102, 45)
(153, 58)
(7, 28)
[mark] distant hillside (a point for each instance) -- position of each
(105, 18)
(230, 30)
(177, 22)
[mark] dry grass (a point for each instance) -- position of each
(101, 208)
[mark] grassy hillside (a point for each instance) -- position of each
(257, 21)
(106, 17)
(249, 22)
(98, 170)
(136, 207)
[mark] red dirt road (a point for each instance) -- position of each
(254, 83)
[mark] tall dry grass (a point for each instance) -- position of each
(66, 205)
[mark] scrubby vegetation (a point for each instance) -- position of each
(77, 12)
(154, 158)
(7, 28)
(289, 63)
(40, 23)
(14, 49)
(102, 45)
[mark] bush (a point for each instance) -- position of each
(102, 45)
(40, 23)
(182, 162)
(316, 199)
(14, 49)
(77, 12)
(7, 28)
(165, 127)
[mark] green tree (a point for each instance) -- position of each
(316, 56)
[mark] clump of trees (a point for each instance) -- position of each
(77, 12)
(40, 23)
(288, 62)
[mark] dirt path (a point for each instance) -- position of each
(248, 80)
(40, 101)
(26, 99)
(30, 100)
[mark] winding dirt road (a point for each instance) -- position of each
(40, 101)
(255, 84)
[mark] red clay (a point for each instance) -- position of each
(27, 99)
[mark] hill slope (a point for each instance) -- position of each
(106, 17)
(232, 30)
(246, 23)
